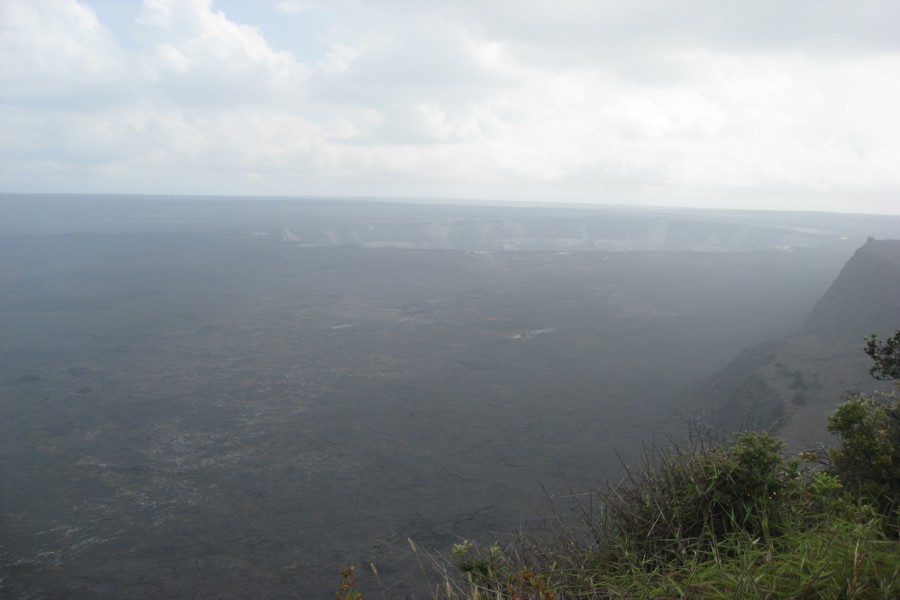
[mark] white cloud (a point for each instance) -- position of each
(57, 52)
(697, 102)
(198, 57)
(205, 95)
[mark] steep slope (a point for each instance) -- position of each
(865, 297)
(793, 383)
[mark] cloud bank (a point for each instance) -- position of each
(762, 105)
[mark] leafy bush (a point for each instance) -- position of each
(885, 356)
(868, 459)
(701, 495)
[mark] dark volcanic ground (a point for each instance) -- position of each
(236, 415)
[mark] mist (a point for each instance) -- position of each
(207, 397)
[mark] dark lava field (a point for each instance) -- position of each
(236, 399)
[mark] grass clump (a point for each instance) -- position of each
(701, 495)
(706, 520)
(715, 519)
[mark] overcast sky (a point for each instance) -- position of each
(746, 104)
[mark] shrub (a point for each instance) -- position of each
(867, 460)
(702, 494)
(885, 356)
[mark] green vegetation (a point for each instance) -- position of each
(868, 459)
(721, 519)
(706, 521)
(885, 355)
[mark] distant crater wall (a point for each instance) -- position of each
(794, 383)
(865, 297)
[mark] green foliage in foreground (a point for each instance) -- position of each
(868, 459)
(714, 519)
(723, 520)
(707, 521)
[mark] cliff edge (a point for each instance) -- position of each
(793, 383)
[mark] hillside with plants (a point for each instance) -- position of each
(737, 518)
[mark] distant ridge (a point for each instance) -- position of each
(794, 382)
(865, 297)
